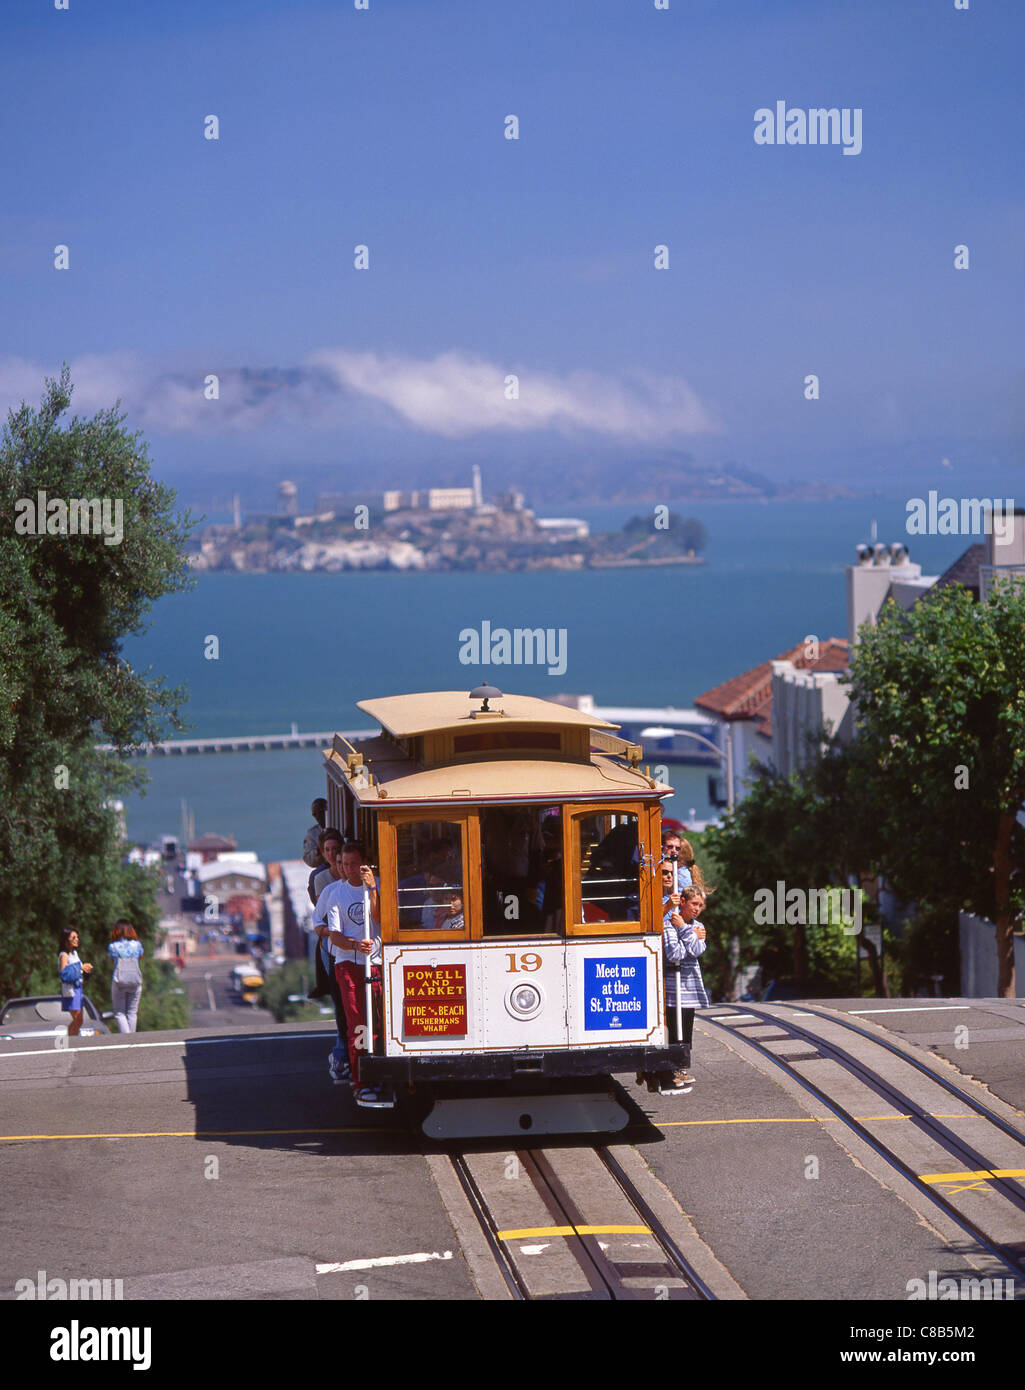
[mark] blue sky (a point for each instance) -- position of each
(534, 257)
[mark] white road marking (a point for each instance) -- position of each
(733, 1018)
(534, 1249)
(382, 1260)
(184, 1042)
(915, 1009)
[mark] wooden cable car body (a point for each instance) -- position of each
(521, 907)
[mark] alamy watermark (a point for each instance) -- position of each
(73, 516)
(518, 646)
(822, 907)
(961, 516)
(819, 125)
(58, 1290)
(78, 1343)
(964, 1290)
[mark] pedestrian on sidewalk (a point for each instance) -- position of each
(126, 986)
(72, 971)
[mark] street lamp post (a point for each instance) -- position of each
(726, 757)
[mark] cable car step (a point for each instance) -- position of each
(385, 1100)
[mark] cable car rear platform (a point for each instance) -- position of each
(518, 1066)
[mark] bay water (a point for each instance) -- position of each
(304, 648)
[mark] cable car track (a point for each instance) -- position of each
(933, 1075)
(1010, 1189)
(670, 1275)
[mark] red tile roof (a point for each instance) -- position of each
(218, 843)
(750, 696)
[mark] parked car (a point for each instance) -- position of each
(42, 1017)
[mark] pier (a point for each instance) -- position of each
(234, 743)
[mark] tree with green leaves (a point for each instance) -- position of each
(67, 602)
(801, 830)
(939, 772)
(926, 797)
(734, 939)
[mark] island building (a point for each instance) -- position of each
(563, 528)
(432, 499)
(288, 499)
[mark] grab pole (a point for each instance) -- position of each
(679, 968)
(368, 969)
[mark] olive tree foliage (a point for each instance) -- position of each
(939, 693)
(66, 604)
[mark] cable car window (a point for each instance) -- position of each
(506, 740)
(521, 851)
(609, 868)
(430, 876)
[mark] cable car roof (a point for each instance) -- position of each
(399, 781)
(409, 716)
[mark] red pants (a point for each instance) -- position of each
(352, 983)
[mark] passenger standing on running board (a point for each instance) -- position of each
(664, 1082)
(684, 941)
(678, 850)
(330, 843)
(340, 908)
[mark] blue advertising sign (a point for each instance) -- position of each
(615, 993)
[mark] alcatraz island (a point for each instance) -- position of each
(440, 528)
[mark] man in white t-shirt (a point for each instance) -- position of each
(339, 915)
(330, 842)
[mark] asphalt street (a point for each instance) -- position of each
(222, 1163)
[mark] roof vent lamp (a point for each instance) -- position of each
(485, 693)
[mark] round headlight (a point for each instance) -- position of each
(524, 1001)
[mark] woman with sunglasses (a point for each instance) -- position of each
(72, 971)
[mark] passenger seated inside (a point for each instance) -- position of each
(549, 893)
(610, 882)
(444, 912)
(513, 852)
(425, 897)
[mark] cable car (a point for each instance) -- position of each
(518, 843)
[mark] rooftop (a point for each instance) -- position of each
(749, 696)
(965, 569)
(407, 716)
(400, 780)
(213, 843)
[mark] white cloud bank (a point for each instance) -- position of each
(452, 395)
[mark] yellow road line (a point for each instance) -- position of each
(967, 1177)
(531, 1231)
(537, 1231)
(192, 1133)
